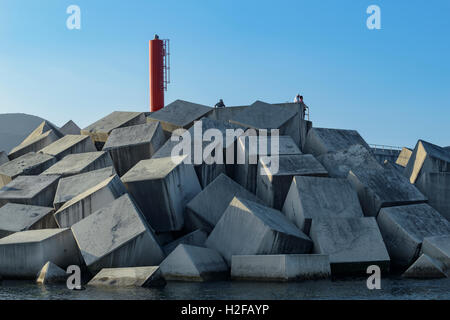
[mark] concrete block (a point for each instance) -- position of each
(352, 244)
(225, 114)
(424, 268)
(209, 205)
(383, 188)
(339, 164)
(297, 127)
(404, 157)
(146, 277)
(117, 236)
(248, 228)
(322, 140)
(51, 273)
(179, 114)
(195, 238)
(23, 254)
(18, 217)
(438, 248)
(427, 157)
(29, 164)
(80, 163)
(162, 188)
(405, 227)
(69, 144)
(90, 201)
(288, 267)
(3, 158)
(312, 198)
(436, 187)
(273, 181)
(30, 190)
(127, 146)
(72, 186)
(70, 128)
(190, 263)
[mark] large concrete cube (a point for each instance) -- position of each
(248, 228)
(436, 187)
(127, 146)
(352, 244)
(146, 277)
(322, 140)
(312, 198)
(404, 157)
(438, 248)
(405, 227)
(162, 188)
(89, 201)
(286, 267)
(275, 174)
(23, 254)
(117, 236)
(191, 263)
(80, 163)
(207, 207)
(70, 127)
(69, 144)
(29, 164)
(427, 157)
(30, 190)
(383, 188)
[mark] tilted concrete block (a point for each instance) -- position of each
(287, 267)
(405, 227)
(29, 164)
(80, 163)
(117, 236)
(89, 201)
(311, 198)
(425, 268)
(436, 187)
(162, 188)
(69, 144)
(70, 187)
(70, 128)
(383, 188)
(190, 263)
(51, 273)
(438, 248)
(146, 277)
(297, 127)
(30, 190)
(352, 244)
(195, 238)
(19, 217)
(248, 228)
(3, 158)
(427, 157)
(404, 157)
(275, 175)
(127, 146)
(23, 254)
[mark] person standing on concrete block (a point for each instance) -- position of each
(219, 104)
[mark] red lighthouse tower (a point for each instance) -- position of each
(159, 62)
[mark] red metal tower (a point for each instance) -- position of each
(159, 62)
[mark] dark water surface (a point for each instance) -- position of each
(393, 288)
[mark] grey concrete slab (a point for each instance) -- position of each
(70, 127)
(191, 263)
(427, 157)
(179, 114)
(29, 164)
(19, 217)
(51, 273)
(438, 248)
(436, 187)
(352, 244)
(195, 238)
(117, 236)
(100, 130)
(275, 175)
(30, 190)
(424, 268)
(248, 228)
(209, 205)
(73, 164)
(404, 157)
(23, 254)
(312, 198)
(146, 277)
(88, 202)
(225, 114)
(287, 267)
(127, 146)
(162, 188)
(72, 186)
(323, 140)
(383, 188)
(405, 227)
(69, 144)
(3, 157)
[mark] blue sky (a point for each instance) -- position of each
(392, 85)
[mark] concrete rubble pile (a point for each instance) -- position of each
(129, 201)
